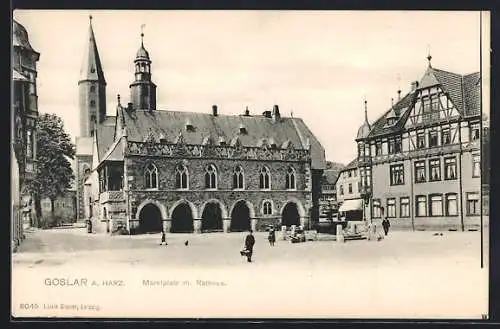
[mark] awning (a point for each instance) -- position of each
(350, 205)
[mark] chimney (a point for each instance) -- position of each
(130, 107)
(414, 85)
(214, 110)
(247, 112)
(276, 113)
(399, 95)
(267, 114)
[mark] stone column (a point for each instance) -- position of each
(304, 221)
(253, 224)
(167, 224)
(197, 225)
(226, 224)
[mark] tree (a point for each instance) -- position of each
(54, 174)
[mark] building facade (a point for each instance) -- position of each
(24, 113)
(154, 170)
(424, 155)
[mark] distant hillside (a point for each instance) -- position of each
(332, 171)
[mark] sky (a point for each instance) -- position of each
(318, 65)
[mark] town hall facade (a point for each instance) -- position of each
(147, 170)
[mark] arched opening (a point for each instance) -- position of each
(240, 217)
(150, 220)
(182, 219)
(290, 215)
(211, 219)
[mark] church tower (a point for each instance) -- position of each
(143, 90)
(92, 88)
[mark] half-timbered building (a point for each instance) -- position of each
(421, 159)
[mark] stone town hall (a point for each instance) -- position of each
(146, 169)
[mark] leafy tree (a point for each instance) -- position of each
(54, 174)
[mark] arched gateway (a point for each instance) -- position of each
(211, 218)
(240, 217)
(290, 215)
(150, 220)
(182, 219)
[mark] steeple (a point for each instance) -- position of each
(366, 113)
(91, 66)
(429, 57)
(91, 88)
(142, 89)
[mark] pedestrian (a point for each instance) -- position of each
(163, 238)
(385, 223)
(272, 236)
(249, 243)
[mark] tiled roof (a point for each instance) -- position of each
(464, 92)
(105, 136)
(351, 165)
(401, 109)
(473, 94)
(169, 124)
(330, 176)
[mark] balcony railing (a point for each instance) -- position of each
(111, 196)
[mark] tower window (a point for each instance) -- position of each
(238, 178)
(92, 103)
(92, 88)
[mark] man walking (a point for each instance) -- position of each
(385, 224)
(163, 238)
(249, 243)
(272, 236)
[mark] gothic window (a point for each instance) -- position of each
(92, 118)
(238, 179)
(92, 88)
(151, 176)
(265, 178)
(92, 103)
(210, 177)
(290, 179)
(267, 208)
(181, 177)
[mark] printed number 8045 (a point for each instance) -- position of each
(27, 306)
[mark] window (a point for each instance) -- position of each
(476, 165)
(472, 204)
(264, 178)
(445, 136)
(341, 190)
(433, 138)
(238, 179)
(151, 176)
(474, 131)
(434, 103)
(436, 205)
(350, 188)
(404, 207)
(181, 177)
(29, 144)
(421, 140)
(419, 171)
(434, 170)
(450, 168)
(92, 88)
(349, 173)
(267, 208)
(290, 179)
(451, 206)
(376, 208)
(420, 206)
(92, 103)
(210, 177)
(395, 145)
(426, 102)
(354, 173)
(391, 208)
(378, 148)
(397, 174)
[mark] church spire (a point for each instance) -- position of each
(91, 66)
